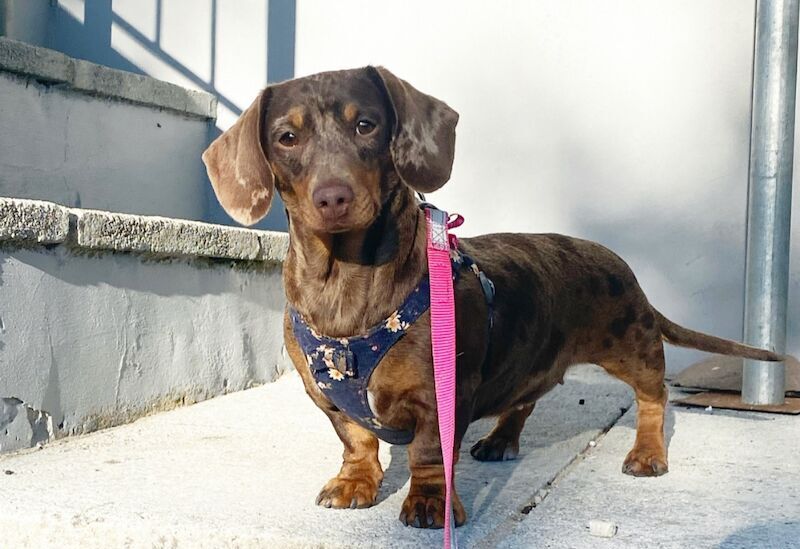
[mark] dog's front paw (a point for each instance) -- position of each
(422, 511)
(352, 493)
(491, 448)
(640, 463)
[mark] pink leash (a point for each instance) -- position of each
(443, 341)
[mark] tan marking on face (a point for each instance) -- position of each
(296, 117)
(350, 112)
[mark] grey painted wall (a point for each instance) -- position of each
(623, 122)
(79, 150)
(25, 20)
(99, 339)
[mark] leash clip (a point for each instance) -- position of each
(437, 229)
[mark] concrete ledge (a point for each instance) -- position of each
(35, 221)
(51, 66)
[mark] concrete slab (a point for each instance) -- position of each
(41, 222)
(33, 221)
(47, 65)
(732, 484)
(41, 63)
(243, 471)
(99, 230)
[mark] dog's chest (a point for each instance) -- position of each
(342, 367)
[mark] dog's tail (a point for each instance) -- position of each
(684, 337)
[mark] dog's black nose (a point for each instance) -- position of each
(333, 199)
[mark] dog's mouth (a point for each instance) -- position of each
(358, 217)
(337, 229)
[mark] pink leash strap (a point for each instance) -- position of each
(443, 342)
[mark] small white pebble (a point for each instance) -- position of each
(602, 528)
(709, 409)
(592, 443)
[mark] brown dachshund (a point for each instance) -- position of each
(346, 151)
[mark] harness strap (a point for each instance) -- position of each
(443, 342)
(488, 294)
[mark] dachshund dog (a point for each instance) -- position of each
(347, 151)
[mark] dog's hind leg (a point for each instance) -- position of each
(645, 373)
(502, 443)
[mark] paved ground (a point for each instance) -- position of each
(734, 482)
(243, 470)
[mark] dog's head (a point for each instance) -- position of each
(334, 145)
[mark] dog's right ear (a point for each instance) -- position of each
(238, 168)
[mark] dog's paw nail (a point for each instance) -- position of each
(659, 468)
(416, 522)
(353, 503)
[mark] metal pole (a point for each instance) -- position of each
(770, 196)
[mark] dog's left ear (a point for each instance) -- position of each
(424, 133)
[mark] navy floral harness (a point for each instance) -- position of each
(343, 366)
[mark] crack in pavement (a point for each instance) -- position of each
(501, 530)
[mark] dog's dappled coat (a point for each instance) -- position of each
(347, 150)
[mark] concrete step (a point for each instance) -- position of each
(105, 317)
(243, 470)
(85, 135)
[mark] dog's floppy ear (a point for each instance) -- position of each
(423, 136)
(238, 168)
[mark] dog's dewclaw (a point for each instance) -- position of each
(602, 528)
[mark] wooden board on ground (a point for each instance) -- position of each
(733, 401)
(722, 373)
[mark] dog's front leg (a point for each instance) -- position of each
(356, 486)
(361, 475)
(424, 505)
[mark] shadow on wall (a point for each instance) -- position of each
(83, 29)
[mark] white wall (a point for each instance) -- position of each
(625, 122)
(213, 45)
(237, 67)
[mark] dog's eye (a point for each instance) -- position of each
(365, 127)
(288, 139)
